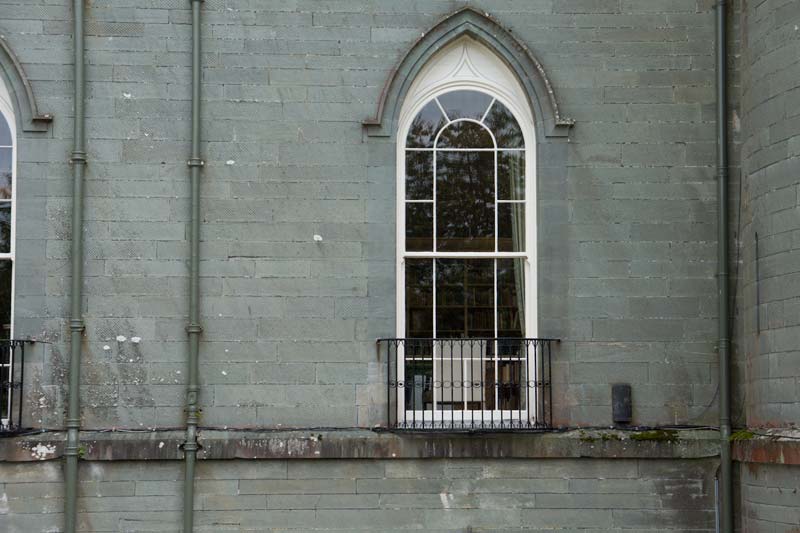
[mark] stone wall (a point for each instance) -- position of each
(769, 497)
(339, 496)
(769, 296)
(626, 206)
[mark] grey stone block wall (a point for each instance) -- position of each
(769, 497)
(769, 298)
(394, 495)
(626, 206)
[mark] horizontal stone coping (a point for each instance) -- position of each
(368, 444)
(776, 446)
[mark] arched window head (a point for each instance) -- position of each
(466, 237)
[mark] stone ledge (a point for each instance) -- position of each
(364, 444)
(772, 446)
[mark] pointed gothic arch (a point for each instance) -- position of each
(483, 28)
(29, 117)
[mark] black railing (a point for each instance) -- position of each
(468, 383)
(12, 376)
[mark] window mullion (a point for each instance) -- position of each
(435, 179)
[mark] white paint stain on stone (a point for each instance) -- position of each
(444, 500)
(41, 451)
(106, 347)
(317, 238)
(121, 338)
(136, 340)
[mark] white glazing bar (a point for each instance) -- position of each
(496, 365)
(467, 255)
(433, 348)
(438, 103)
(488, 109)
(464, 149)
(435, 179)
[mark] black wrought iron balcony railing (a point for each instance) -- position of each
(12, 377)
(468, 383)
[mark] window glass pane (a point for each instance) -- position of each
(504, 126)
(465, 104)
(510, 298)
(511, 175)
(5, 227)
(464, 298)
(419, 298)
(5, 132)
(465, 201)
(419, 175)
(5, 173)
(511, 227)
(418, 384)
(425, 126)
(5, 299)
(419, 227)
(465, 134)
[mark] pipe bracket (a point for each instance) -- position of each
(76, 325)
(77, 157)
(196, 162)
(194, 329)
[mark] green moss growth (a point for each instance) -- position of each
(610, 436)
(659, 435)
(585, 437)
(742, 434)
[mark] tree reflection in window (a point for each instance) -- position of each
(465, 193)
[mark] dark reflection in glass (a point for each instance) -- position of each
(504, 126)
(419, 227)
(511, 175)
(510, 297)
(5, 173)
(465, 134)
(425, 126)
(5, 227)
(419, 298)
(5, 299)
(419, 384)
(465, 104)
(511, 227)
(465, 201)
(5, 132)
(464, 298)
(419, 175)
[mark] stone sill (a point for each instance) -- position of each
(362, 444)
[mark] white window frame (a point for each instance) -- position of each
(501, 85)
(7, 114)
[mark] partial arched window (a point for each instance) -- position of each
(7, 212)
(466, 240)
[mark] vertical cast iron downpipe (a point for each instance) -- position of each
(726, 470)
(76, 326)
(194, 329)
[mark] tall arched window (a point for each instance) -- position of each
(7, 212)
(7, 196)
(466, 239)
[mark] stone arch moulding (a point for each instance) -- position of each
(480, 26)
(19, 88)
